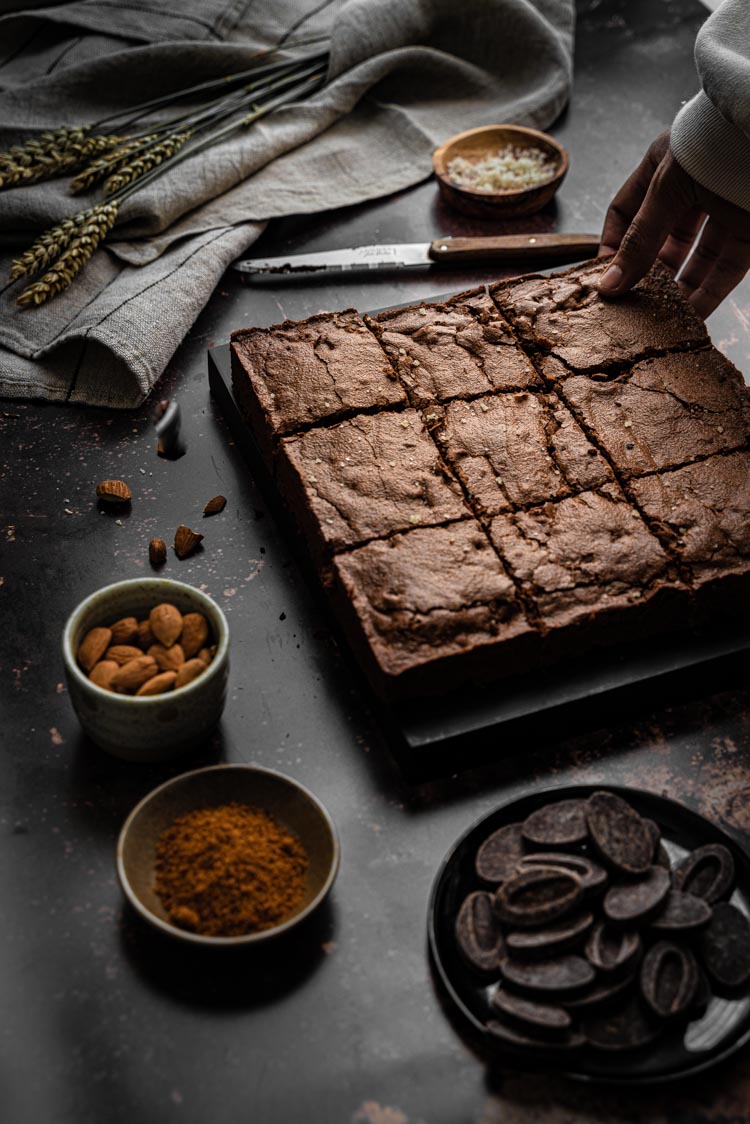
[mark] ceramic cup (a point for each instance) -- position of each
(146, 729)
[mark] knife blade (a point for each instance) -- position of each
(442, 252)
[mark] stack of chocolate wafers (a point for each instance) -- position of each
(594, 938)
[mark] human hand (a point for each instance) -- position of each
(662, 212)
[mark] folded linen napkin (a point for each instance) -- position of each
(402, 78)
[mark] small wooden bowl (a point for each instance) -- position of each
(291, 805)
(476, 143)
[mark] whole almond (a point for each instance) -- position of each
(214, 506)
(168, 659)
(157, 685)
(122, 653)
(166, 623)
(194, 633)
(93, 646)
(157, 552)
(113, 491)
(134, 674)
(189, 671)
(185, 541)
(125, 631)
(145, 635)
(205, 656)
(101, 673)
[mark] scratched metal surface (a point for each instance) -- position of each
(101, 1022)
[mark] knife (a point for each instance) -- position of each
(443, 252)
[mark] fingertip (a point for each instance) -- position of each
(611, 280)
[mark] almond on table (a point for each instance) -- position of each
(186, 541)
(113, 491)
(157, 552)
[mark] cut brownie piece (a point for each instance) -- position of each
(582, 558)
(664, 412)
(297, 374)
(706, 509)
(426, 608)
(364, 479)
(443, 351)
(478, 301)
(564, 315)
(517, 449)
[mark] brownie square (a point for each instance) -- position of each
(298, 374)
(429, 607)
(518, 449)
(664, 412)
(442, 352)
(706, 508)
(365, 478)
(564, 316)
(583, 557)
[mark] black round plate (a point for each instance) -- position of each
(708, 1040)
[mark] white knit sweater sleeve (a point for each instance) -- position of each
(710, 136)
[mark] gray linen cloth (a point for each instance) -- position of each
(404, 75)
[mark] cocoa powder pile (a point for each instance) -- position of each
(229, 870)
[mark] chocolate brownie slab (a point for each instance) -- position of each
(442, 351)
(365, 478)
(298, 374)
(664, 412)
(587, 555)
(517, 449)
(564, 316)
(428, 607)
(706, 508)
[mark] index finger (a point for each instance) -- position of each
(627, 202)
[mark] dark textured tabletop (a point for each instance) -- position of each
(103, 1022)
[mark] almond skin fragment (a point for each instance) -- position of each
(214, 506)
(122, 653)
(189, 671)
(157, 552)
(168, 659)
(194, 633)
(145, 635)
(125, 631)
(113, 491)
(186, 541)
(93, 646)
(101, 673)
(134, 674)
(166, 623)
(157, 685)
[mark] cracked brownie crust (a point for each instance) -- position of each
(366, 478)
(302, 373)
(512, 450)
(563, 315)
(443, 352)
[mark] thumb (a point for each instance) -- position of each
(663, 204)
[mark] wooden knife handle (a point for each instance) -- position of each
(516, 247)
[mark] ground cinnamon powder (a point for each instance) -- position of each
(229, 870)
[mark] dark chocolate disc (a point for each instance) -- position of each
(499, 855)
(537, 897)
(611, 991)
(611, 948)
(655, 832)
(478, 933)
(550, 977)
(724, 946)
(620, 835)
(551, 940)
(539, 1018)
(562, 824)
(571, 1040)
(669, 979)
(624, 1027)
(593, 877)
(707, 873)
(630, 902)
(681, 912)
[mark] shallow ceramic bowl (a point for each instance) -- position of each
(291, 805)
(146, 729)
(476, 143)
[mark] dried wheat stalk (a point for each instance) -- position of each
(80, 248)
